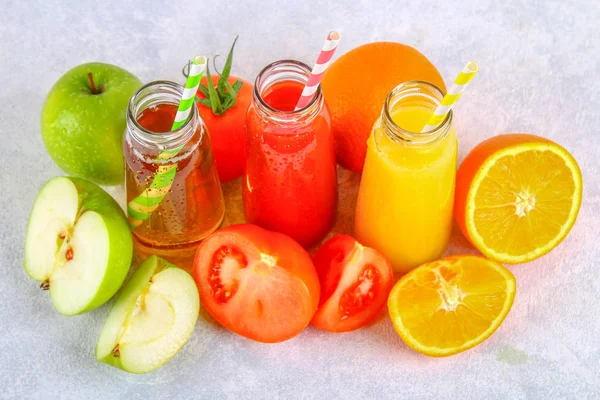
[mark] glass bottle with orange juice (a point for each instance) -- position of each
(406, 194)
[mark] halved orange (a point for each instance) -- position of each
(450, 305)
(517, 196)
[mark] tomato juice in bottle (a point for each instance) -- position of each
(290, 178)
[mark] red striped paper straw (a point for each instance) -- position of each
(321, 65)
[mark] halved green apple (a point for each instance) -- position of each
(152, 318)
(78, 244)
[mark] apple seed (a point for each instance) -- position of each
(116, 352)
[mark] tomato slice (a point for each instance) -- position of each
(257, 283)
(355, 284)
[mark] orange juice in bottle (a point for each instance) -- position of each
(406, 194)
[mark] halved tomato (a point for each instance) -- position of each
(257, 283)
(355, 283)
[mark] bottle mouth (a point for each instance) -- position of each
(281, 71)
(419, 94)
(151, 95)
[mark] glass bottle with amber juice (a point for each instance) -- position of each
(193, 206)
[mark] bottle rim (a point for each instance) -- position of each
(415, 88)
(153, 94)
(292, 70)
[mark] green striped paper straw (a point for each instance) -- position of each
(140, 208)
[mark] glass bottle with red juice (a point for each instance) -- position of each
(193, 206)
(290, 178)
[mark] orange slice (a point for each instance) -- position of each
(517, 196)
(450, 305)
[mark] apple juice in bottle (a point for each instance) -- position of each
(193, 206)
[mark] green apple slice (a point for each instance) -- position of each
(152, 318)
(78, 244)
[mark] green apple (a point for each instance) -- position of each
(78, 244)
(152, 318)
(83, 121)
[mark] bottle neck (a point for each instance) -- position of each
(152, 95)
(285, 71)
(413, 94)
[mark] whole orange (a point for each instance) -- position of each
(355, 87)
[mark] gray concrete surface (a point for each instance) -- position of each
(539, 72)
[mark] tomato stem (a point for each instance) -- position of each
(223, 96)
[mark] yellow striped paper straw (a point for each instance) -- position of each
(140, 208)
(460, 83)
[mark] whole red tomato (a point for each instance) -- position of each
(257, 283)
(227, 130)
(222, 102)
